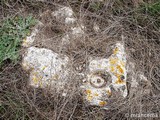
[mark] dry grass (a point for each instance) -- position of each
(116, 18)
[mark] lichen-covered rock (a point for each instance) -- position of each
(47, 69)
(104, 74)
(29, 40)
(65, 14)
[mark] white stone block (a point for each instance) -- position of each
(47, 69)
(104, 73)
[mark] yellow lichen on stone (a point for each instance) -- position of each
(35, 79)
(113, 61)
(120, 69)
(89, 97)
(95, 94)
(109, 92)
(102, 103)
(112, 68)
(88, 92)
(119, 81)
(115, 51)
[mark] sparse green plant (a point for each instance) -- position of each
(12, 31)
(148, 12)
(152, 9)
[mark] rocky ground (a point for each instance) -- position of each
(83, 32)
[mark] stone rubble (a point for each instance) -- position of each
(49, 69)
